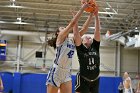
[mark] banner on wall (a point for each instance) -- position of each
(3, 44)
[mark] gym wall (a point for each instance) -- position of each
(29, 46)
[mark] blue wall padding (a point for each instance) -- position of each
(109, 84)
(7, 79)
(33, 83)
(17, 83)
(36, 83)
(73, 83)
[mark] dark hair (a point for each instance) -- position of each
(52, 42)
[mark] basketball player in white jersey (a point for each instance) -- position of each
(59, 76)
(127, 83)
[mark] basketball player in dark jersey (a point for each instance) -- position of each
(87, 79)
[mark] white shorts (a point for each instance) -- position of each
(57, 76)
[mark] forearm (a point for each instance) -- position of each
(77, 37)
(97, 28)
(77, 16)
(75, 30)
(86, 25)
(63, 34)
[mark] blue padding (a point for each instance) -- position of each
(17, 83)
(109, 84)
(73, 83)
(7, 79)
(33, 83)
(36, 83)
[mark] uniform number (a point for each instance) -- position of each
(91, 61)
(70, 54)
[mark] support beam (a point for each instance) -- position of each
(23, 33)
(138, 61)
(118, 60)
(19, 54)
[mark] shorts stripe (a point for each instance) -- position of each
(77, 81)
(53, 76)
(49, 74)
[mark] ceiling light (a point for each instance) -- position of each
(107, 8)
(88, 27)
(12, 0)
(91, 27)
(108, 13)
(19, 19)
(18, 23)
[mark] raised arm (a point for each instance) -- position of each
(97, 27)
(63, 34)
(86, 25)
(76, 37)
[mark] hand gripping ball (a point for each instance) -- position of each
(92, 6)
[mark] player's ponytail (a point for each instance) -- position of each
(52, 42)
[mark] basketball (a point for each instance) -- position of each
(92, 3)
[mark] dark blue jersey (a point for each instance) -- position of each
(89, 60)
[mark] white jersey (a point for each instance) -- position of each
(61, 69)
(64, 54)
(130, 89)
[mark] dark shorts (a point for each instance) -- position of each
(84, 86)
